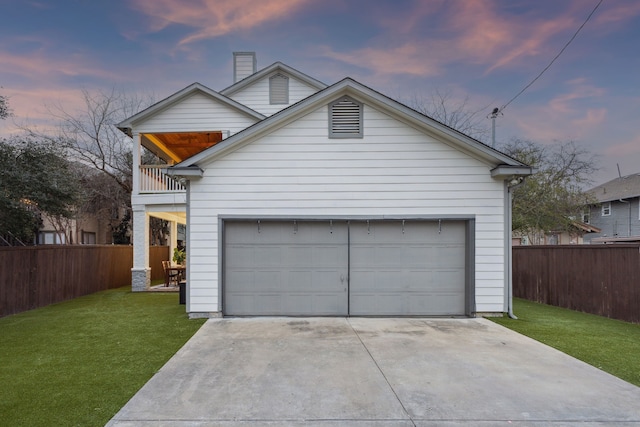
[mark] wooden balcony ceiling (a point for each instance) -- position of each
(178, 146)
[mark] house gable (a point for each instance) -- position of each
(197, 112)
(188, 122)
(257, 91)
(186, 96)
(362, 94)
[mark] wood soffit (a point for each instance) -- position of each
(175, 147)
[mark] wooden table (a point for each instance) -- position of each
(179, 269)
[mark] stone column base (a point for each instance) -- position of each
(140, 279)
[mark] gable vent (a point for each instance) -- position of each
(279, 89)
(345, 118)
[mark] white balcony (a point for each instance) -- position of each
(153, 181)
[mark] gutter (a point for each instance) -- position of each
(188, 172)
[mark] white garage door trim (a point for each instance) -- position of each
(310, 260)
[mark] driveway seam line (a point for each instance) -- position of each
(381, 372)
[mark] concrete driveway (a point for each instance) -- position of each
(375, 372)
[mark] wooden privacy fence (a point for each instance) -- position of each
(597, 279)
(36, 276)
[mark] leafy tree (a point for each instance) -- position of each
(4, 107)
(34, 181)
(553, 196)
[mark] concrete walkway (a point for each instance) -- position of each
(333, 372)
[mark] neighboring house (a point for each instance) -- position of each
(307, 199)
(617, 213)
(557, 237)
(86, 229)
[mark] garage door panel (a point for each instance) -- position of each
(298, 268)
(410, 268)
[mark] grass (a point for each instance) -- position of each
(77, 363)
(608, 344)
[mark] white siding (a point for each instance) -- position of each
(393, 170)
(256, 95)
(198, 112)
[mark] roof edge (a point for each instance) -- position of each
(127, 124)
(376, 99)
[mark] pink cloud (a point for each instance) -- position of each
(39, 65)
(472, 32)
(565, 103)
(569, 115)
(616, 13)
(626, 148)
(591, 119)
(213, 18)
(29, 106)
(409, 58)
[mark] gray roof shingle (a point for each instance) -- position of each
(620, 188)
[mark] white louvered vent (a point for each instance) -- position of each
(345, 118)
(279, 89)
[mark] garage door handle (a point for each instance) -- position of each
(342, 277)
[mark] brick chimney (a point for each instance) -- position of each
(244, 65)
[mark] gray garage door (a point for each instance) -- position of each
(285, 268)
(337, 268)
(407, 268)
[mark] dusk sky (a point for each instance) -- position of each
(487, 50)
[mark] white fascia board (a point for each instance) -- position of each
(278, 66)
(508, 171)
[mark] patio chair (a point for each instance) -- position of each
(170, 276)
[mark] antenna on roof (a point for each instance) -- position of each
(619, 174)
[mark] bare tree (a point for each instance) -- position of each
(553, 197)
(442, 106)
(90, 135)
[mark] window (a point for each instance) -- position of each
(88, 238)
(279, 89)
(586, 215)
(345, 118)
(606, 209)
(51, 238)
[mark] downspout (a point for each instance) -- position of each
(511, 185)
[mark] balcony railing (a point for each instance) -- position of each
(153, 180)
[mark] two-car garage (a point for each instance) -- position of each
(363, 267)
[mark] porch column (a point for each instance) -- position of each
(136, 161)
(140, 273)
(173, 238)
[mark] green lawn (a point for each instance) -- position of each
(611, 345)
(77, 363)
